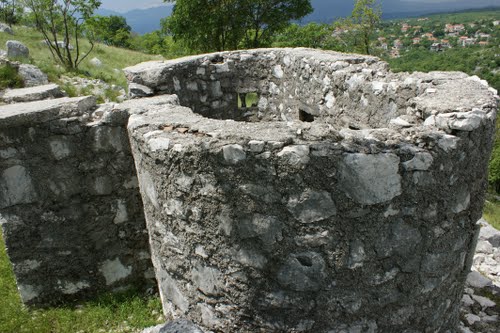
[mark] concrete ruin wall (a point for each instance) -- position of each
(70, 207)
(346, 199)
(287, 85)
(361, 218)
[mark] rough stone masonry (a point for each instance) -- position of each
(70, 207)
(282, 190)
(343, 198)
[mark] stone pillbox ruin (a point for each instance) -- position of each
(283, 190)
(300, 190)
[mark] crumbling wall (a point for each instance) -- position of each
(363, 220)
(70, 207)
(288, 86)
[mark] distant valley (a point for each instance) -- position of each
(325, 11)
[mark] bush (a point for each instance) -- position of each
(9, 78)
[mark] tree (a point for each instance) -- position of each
(10, 11)
(60, 22)
(110, 30)
(209, 25)
(365, 16)
(264, 18)
(313, 35)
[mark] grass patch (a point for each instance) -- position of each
(113, 59)
(491, 213)
(9, 77)
(110, 313)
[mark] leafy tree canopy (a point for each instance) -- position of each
(110, 30)
(208, 25)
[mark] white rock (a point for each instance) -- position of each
(296, 154)
(472, 318)
(484, 247)
(278, 71)
(399, 122)
(234, 153)
(256, 146)
(483, 301)
(467, 300)
(114, 270)
(96, 62)
(160, 143)
(477, 280)
(448, 142)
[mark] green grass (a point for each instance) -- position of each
(113, 59)
(491, 213)
(125, 312)
(9, 77)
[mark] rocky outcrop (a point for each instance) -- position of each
(16, 49)
(5, 28)
(32, 76)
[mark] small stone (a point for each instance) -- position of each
(303, 272)
(311, 206)
(256, 146)
(472, 318)
(96, 62)
(400, 122)
(297, 154)
(370, 179)
(208, 280)
(467, 300)
(484, 247)
(421, 161)
(278, 71)
(233, 154)
(483, 301)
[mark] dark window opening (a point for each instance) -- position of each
(304, 116)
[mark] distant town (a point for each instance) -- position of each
(399, 36)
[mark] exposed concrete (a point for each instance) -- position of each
(328, 209)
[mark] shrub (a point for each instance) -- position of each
(9, 78)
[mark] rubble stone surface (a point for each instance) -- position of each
(324, 206)
(70, 207)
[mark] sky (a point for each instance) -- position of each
(123, 6)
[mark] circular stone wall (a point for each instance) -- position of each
(347, 200)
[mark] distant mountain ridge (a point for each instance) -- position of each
(325, 11)
(141, 20)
